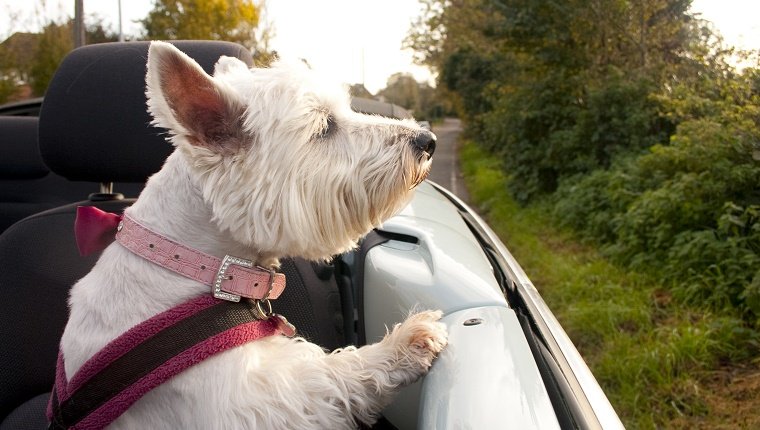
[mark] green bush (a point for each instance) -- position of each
(591, 204)
(651, 354)
(627, 117)
(687, 210)
(720, 267)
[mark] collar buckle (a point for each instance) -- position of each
(228, 261)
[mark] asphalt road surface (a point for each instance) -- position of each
(445, 169)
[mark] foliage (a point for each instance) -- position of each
(231, 20)
(628, 117)
(625, 122)
(419, 97)
(359, 90)
(558, 88)
(32, 59)
(7, 88)
(652, 355)
(687, 210)
(96, 31)
(53, 44)
(7, 77)
(451, 38)
(402, 89)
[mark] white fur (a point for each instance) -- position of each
(275, 189)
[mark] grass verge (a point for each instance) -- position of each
(661, 363)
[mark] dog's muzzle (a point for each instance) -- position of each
(424, 143)
(424, 147)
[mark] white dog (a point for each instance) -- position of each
(268, 164)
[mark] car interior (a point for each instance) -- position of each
(94, 134)
(27, 186)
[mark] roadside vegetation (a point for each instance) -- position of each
(617, 150)
(662, 363)
(29, 60)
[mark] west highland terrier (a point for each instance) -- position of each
(268, 163)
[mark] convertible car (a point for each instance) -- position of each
(509, 364)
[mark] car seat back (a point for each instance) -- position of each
(94, 127)
(27, 186)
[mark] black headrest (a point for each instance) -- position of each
(94, 124)
(19, 154)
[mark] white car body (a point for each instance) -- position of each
(487, 377)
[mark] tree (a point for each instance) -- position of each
(560, 88)
(456, 39)
(16, 56)
(53, 44)
(7, 79)
(55, 41)
(419, 97)
(32, 58)
(230, 20)
(446, 26)
(359, 90)
(97, 32)
(402, 90)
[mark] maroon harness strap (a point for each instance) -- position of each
(148, 355)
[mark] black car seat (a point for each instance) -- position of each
(26, 184)
(20, 161)
(94, 127)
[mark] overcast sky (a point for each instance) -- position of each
(353, 40)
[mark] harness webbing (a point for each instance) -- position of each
(148, 355)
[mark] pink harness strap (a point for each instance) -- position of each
(148, 355)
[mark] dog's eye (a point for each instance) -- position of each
(328, 128)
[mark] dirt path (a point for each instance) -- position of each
(445, 161)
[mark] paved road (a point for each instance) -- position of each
(445, 169)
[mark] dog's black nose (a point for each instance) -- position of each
(425, 141)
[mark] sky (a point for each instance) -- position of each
(737, 20)
(353, 40)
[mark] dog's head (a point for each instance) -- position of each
(284, 163)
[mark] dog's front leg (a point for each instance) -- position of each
(368, 377)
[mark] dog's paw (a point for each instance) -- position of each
(420, 338)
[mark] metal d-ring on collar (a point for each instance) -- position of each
(259, 310)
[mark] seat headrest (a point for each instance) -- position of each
(94, 124)
(19, 154)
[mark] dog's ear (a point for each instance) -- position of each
(229, 64)
(190, 103)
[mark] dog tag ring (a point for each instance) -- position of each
(259, 310)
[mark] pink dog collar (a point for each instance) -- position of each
(230, 278)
